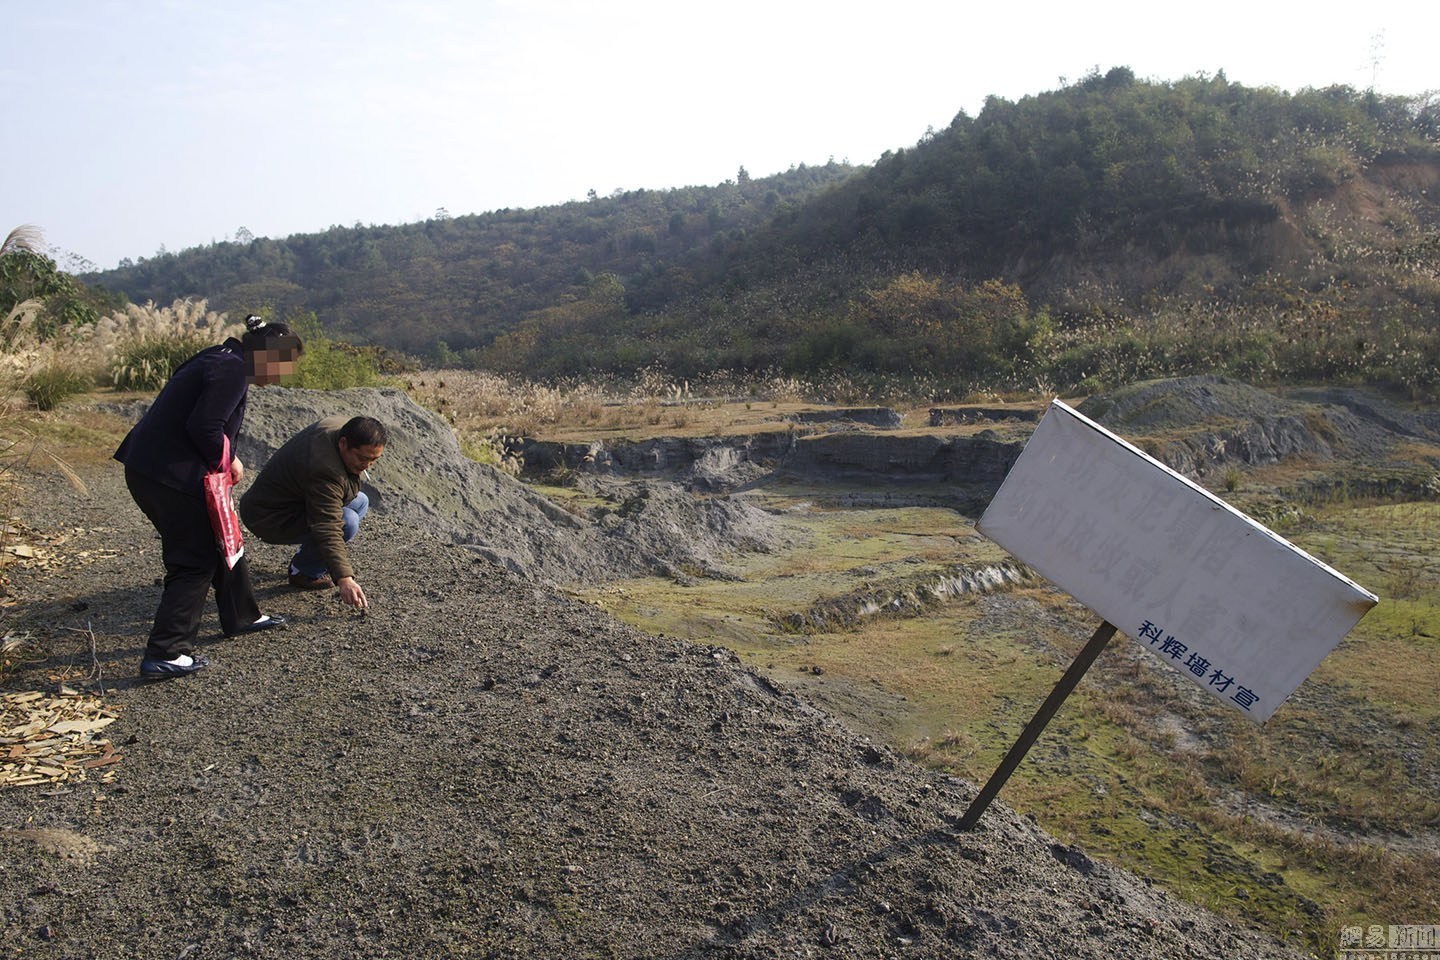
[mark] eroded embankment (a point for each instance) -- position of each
(908, 597)
(973, 465)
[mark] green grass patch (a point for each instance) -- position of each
(573, 499)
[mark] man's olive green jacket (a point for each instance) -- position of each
(301, 492)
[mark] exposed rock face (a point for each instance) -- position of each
(905, 599)
(1196, 425)
(1401, 421)
(969, 461)
(704, 462)
(949, 416)
(720, 463)
(882, 417)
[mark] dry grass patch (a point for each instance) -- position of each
(1358, 881)
(651, 406)
(82, 433)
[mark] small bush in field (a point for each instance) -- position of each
(141, 345)
(54, 383)
(146, 364)
(330, 364)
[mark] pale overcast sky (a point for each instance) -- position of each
(136, 124)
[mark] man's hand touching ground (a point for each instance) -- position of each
(351, 593)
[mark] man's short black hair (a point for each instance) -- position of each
(363, 432)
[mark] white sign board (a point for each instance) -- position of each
(1241, 611)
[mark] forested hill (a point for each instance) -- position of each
(465, 279)
(1137, 187)
(1108, 229)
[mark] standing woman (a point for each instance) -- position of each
(166, 456)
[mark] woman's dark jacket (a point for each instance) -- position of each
(180, 436)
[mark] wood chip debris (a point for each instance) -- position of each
(51, 739)
(31, 549)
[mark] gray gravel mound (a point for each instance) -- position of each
(1401, 420)
(1196, 425)
(426, 483)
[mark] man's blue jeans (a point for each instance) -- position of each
(307, 559)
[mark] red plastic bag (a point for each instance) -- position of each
(221, 507)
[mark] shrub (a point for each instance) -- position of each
(330, 364)
(142, 345)
(54, 383)
(333, 366)
(493, 449)
(146, 364)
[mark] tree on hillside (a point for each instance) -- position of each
(968, 331)
(28, 274)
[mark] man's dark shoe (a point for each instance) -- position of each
(301, 582)
(268, 622)
(153, 668)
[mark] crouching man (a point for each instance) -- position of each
(309, 494)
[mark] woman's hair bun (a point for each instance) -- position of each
(254, 322)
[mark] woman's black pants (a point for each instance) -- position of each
(193, 565)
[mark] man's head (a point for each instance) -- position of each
(362, 441)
